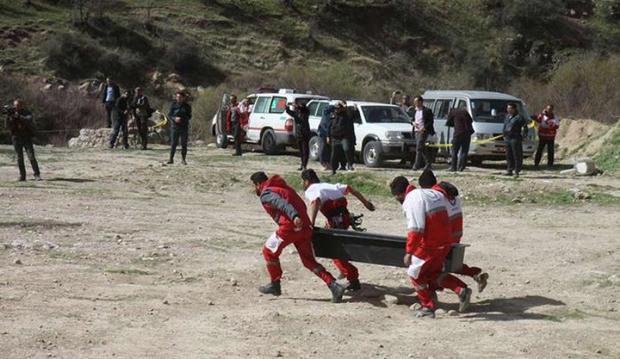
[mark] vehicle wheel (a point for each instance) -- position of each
(314, 148)
(221, 141)
(373, 154)
(268, 143)
(476, 162)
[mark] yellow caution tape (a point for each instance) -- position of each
(477, 142)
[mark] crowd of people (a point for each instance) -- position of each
(434, 224)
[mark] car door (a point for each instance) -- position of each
(441, 110)
(276, 116)
(357, 122)
(258, 118)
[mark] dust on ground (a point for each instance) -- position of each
(116, 255)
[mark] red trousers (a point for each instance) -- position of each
(470, 271)
(426, 276)
(302, 241)
(343, 221)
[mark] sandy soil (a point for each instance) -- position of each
(117, 256)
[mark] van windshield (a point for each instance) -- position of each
(493, 111)
(385, 114)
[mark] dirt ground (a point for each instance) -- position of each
(114, 255)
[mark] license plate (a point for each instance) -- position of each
(500, 148)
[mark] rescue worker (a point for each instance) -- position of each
(331, 201)
(110, 94)
(289, 212)
(142, 112)
(423, 127)
(180, 115)
(300, 114)
(20, 123)
(120, 114)
(428, 244)
(235, 122)
(515, 128)
(455, 215)
(548, 124)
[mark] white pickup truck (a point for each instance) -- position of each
(382, 131)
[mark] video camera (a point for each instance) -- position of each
(7, 110)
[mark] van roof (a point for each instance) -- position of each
(361, 103)
(486, 95)
(291, 96)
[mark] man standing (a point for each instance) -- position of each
(515, 128)
(331, 201)
(111, 93)
(423, 127)
(20, 123)
(142, 113)
(120, 113)
(180, 114)
(428, 244)
(289, 212)
(548, 124)
(323, 132)
(234, 114)
(299, 112)
(460, 119)
(341, 136)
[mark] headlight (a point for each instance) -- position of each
(394, 135)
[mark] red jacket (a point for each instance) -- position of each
(283, 204)
(548, 125)
(455, 213)
(427, 222)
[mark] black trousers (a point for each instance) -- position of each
(341, 148)
(324, 151)
(120, 124)
(550, 144)
(422, 156)
(143, 129)
(20, 144)
(460, 149)
(238, 136)
(304, 150)
(514, 155)
(176, 134)
(109, 109)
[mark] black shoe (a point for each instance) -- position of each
(183, 162)
(272, 288)
(464, 299)
(509, 173)
(236, 154)
(37, 178)
(170, 162)
(22, 179)
(337, 292)
(301, 168)
(354, 285)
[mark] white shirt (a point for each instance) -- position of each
(419, 119)
(326, 191)
(418, 204)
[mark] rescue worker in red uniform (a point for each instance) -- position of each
(455, 215)
(289, 211)
(429, 240)
(331, 201)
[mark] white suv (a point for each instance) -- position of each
(382, 131)
(268, 125)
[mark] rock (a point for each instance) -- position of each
(440, 312)
(166, 302)
(233, 282)
(390, 299)
(517, 200)
(453, 313)
(279, 354)
(582, 195)
(17, 262)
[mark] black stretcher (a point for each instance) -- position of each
(372, 248)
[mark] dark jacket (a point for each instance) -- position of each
(341, 126)
(115, 88)
(142, 107)
(515, 127)
(428, 118)
(20, 124)
(182, 110)
(461, 121)
(302, 126)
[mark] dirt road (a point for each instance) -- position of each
(117, 256)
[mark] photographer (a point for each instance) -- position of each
(300, 114)
(19, 122)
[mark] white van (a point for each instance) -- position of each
(382, 131)
(488, 110)
(268, 124)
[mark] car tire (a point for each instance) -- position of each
(373, 154)
(314, 146)
(221, 141)
(268, 143)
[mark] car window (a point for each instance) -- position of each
(278, 104)
(493, 111)
(385, 114)
(312, 108)
(462, 105)
(428, 103)
(357, 118)
(261, 105)
(321, 108)
(442, 107)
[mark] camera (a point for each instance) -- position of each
(7, 110)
